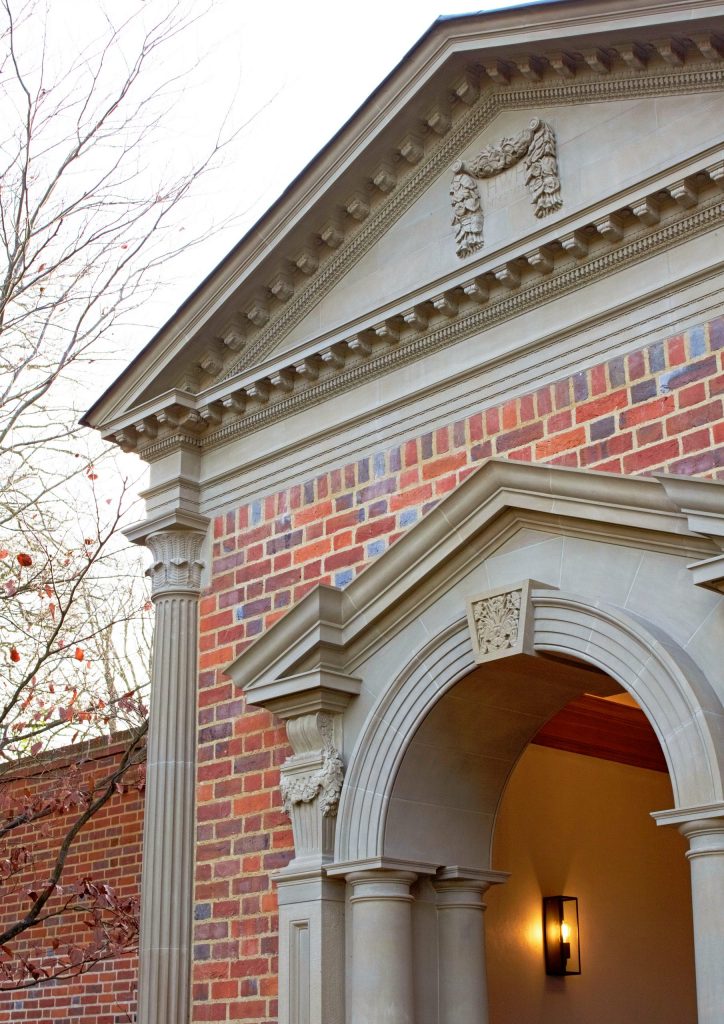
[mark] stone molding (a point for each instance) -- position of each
(311, 705)
(698, 69)
(498, 496)
(500, 93)
(177, 563)
(492, 296)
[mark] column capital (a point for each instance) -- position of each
(704, 816)
(177, 564)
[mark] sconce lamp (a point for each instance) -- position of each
(560, 935)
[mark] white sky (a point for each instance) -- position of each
(295, 71)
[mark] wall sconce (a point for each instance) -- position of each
(561, 942)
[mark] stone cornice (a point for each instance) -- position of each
(242, 322)
(585, 251)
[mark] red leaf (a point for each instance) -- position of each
(79, 654)
(14, 654)
(24, 559)
(4, 552)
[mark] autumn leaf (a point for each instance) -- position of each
(4, 552)
(79, 654)
(14, 654)
(24, 559)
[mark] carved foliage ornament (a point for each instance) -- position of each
(536, 145)
(325, 783)
(497, 622)
(501, 621)
(177, 565)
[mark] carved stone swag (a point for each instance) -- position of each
(536, 145)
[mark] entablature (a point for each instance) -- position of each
(612, 237)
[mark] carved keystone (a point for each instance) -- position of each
(501, 621)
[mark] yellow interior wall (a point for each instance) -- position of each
(580, 826)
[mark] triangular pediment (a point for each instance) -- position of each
(359, 263)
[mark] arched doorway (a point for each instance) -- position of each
(575, 819)
(427, 780)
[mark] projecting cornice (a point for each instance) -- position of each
(485, 293)
(458, 78)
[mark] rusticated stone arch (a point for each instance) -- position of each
(662, 678)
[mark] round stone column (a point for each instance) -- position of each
(463, 991)
(706, 858)
(168, 833)
(382, 979)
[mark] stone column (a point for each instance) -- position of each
(168, 834)
(382, 969)
(463, 992)
(706, 858)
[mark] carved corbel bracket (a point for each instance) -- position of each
(311, 705)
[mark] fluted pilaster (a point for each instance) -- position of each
(168, 838)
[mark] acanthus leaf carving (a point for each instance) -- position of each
(497, 621)
(536, 145)
(326, 781)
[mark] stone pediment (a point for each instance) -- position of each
(358, 267)
(331, 631)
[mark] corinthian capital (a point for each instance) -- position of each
(176, 562)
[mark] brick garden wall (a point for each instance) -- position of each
(657, 409)
(107, 850)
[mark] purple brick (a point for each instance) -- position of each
(644, 390)
(426, 445)
(603, 428)
(580, 387)
(657, 357)
(617, 372)
(716, 334)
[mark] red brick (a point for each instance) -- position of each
(600, 406)
(343, 559)
(439, 467)
(653, 410)
(560, 443)
(375, 529)
(414, 496)
(656, 455)
(694, 418)
(518, 438)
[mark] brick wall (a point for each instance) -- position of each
(657, 409)
(107, 850)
